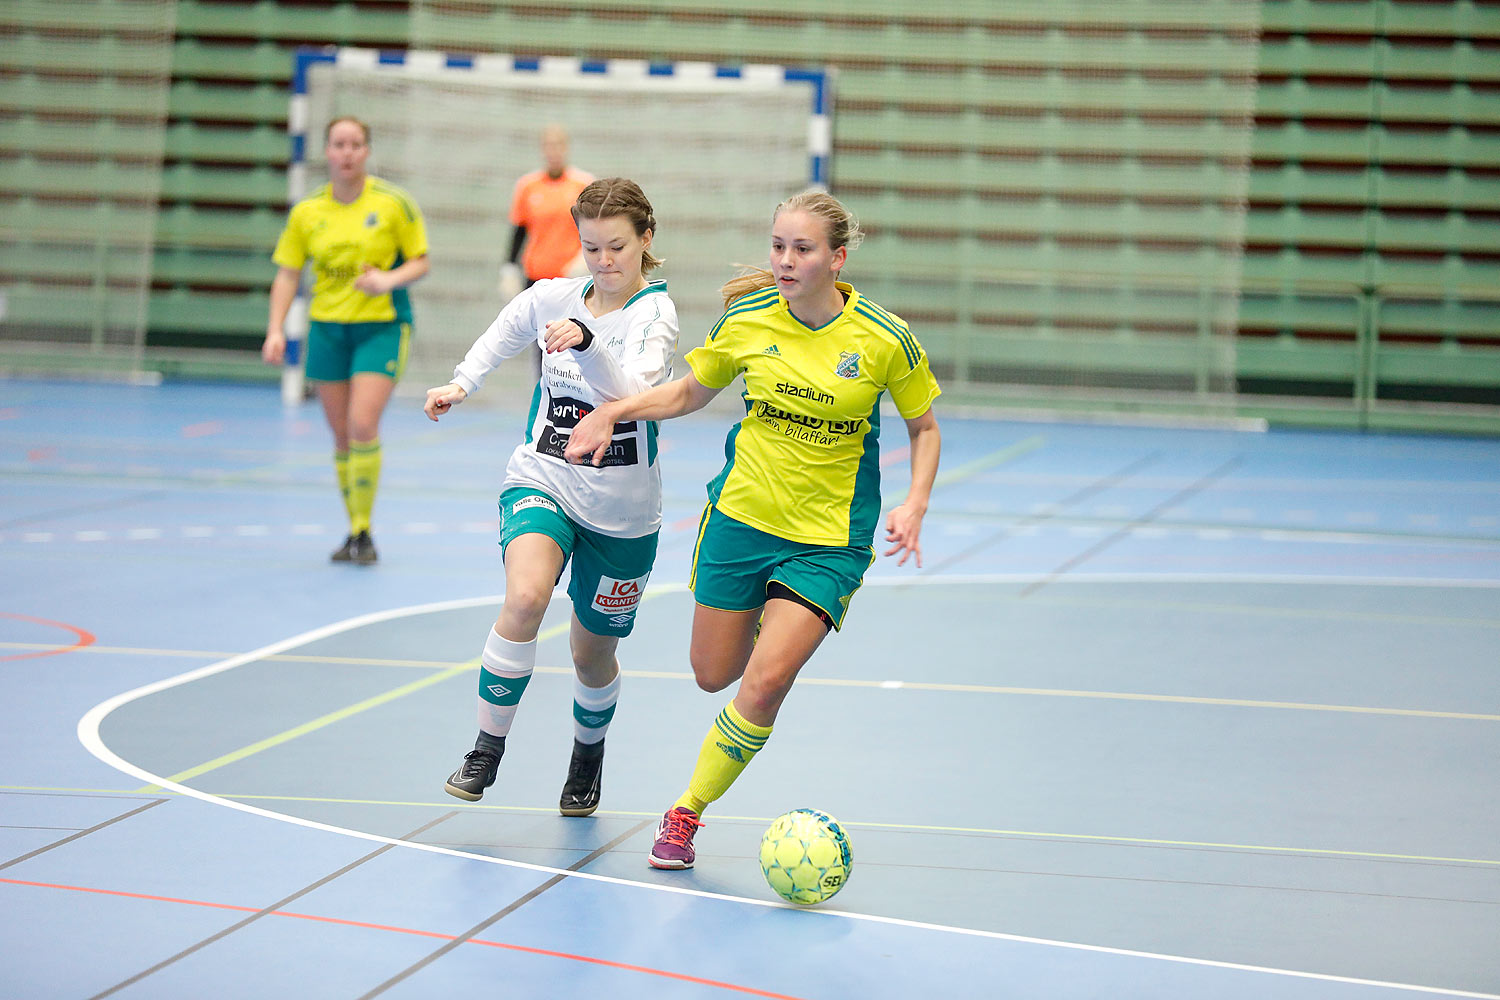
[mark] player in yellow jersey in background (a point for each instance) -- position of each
(787, 534)
(367, 243)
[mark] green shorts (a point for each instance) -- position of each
(733, 564)
(609, 573)
(337, 351)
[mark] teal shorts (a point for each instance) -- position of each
(338, 351)
(733, 564)
(609, 573)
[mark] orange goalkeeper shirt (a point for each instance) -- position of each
(544, 206)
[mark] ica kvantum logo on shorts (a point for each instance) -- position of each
(615, 596)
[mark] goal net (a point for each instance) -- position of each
(714, 149)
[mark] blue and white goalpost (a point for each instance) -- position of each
(714, 147)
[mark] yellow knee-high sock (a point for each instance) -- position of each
(364, 476)
(728, 747)
(341, 467)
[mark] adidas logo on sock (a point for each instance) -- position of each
(731, 751)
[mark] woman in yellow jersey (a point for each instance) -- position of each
(367, 242)
(787, 534)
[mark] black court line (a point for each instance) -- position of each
(516, 905)
(1125, 529)
(82, 833)
(1109, 481)
(190, 949)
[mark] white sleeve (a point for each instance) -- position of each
(506, 337)
(645, 358)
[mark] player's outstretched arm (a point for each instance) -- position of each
(591, 437)
(442, 398)
(903, 526)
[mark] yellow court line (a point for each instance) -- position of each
(210, 654)
(916, 828)
(895, 685)
(315, 724)
(352, 710)
(1132, 696)
(986, 462)
(894, 827)
(338, 716)
(1269, 610)
(453, 671)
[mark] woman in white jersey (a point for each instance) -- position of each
(603, 336)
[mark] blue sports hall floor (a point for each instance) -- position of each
(1167, 712)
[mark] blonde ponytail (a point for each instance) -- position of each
(750, 279)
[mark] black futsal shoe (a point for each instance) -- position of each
(345, 552)
(364, 549)
(474, 775)
(580, 794)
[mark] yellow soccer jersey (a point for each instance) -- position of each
(382, 227)
(804, 464)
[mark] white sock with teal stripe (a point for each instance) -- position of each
(593, 708)
(505, 670)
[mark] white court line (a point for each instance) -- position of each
(88, 735)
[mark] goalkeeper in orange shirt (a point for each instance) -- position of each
(544, 243)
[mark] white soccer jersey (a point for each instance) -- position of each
(632, 350)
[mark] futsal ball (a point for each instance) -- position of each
(805, 855)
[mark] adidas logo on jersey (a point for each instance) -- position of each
(772, 350)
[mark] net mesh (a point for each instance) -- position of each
(1054, 190)
(1074, 236)
(458, 139)
(83, 140)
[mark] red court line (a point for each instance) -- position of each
(623, 966)
(203, 429)
(84, 638)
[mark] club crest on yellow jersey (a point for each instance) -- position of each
(848, 366)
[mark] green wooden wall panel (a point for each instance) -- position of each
(24, 134)
(970, 132)
(208, 313)
(261, 142)
(260, 61)
(262, 185)
(343, 23)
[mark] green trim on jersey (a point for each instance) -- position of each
(536, 404)
(804, 462)
(381, 228)
(408, 207)
(652, 286)
(747, 303)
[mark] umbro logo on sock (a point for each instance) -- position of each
(591, 720)
(731, 751)
(499, 690)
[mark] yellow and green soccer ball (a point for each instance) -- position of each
(805, 855)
